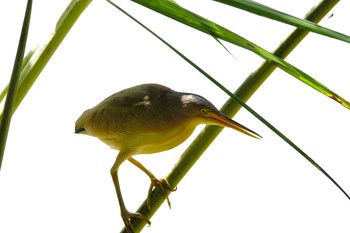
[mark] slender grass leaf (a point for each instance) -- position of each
(171, 9)
(268, 12)
(12, 89)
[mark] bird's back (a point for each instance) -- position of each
(140, 117)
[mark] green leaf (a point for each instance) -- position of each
(12, 89)
(263, 10)
(174, 11)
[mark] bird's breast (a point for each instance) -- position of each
(149, 142)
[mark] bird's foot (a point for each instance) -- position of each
(127, 218)
(164, 187)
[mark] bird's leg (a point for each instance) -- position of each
(162, 183)
(125, 214)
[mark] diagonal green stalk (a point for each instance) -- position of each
(231, 107)
(12, 88)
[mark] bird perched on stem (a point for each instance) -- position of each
(147, 119)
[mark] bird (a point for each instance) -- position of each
(146, 119)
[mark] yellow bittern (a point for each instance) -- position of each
(147, 119)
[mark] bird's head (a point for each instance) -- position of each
(203, 111)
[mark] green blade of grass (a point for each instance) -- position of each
(171, 9)
(268, 12)
(12, 89)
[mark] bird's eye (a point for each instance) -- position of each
(204, 111)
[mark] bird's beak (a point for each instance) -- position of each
(222, 120)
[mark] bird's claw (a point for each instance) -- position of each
(163, 185)
(128, 218)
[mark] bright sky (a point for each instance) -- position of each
(53, 180)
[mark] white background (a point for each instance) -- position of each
(53, 180)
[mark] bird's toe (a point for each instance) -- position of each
(165, 188)
(127, 218)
